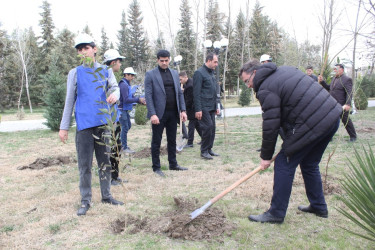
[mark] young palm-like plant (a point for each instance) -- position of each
(359, 185)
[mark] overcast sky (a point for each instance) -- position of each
(298, 17)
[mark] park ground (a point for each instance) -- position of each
(38, 207)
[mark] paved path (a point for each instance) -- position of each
(11, 126)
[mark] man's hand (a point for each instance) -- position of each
(346, 107)
(198, 115)
(63, 134)
(183, 116)
(218, 111)
(112, 98)
(264, 164)
(154, 119)
(142, 100)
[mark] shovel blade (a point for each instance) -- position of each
(200, 210)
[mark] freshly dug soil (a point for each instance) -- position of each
(41, 163)
(212, 224)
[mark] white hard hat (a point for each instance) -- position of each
(112, 54)
(83, 38)
(265, 57)
(129, 70)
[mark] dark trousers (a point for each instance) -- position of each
(169, 122)
(115, 156)
(308, 158)
(348, 124)
(193, 125)
(208, 127)
(86, 144)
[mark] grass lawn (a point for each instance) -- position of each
(38, 207)
(11, 114)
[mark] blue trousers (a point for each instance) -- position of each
(125, 126)
(308, 158)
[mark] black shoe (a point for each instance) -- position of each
(188, 146)
(266, 218)
(178, 168)
(352, 139)
(212, 153)
(159, 172)
(199, 143)
(121, 180)
(83, 209)
(309, 209)
(259, 149)
(113, 201)
(115, 182)
(206, 156)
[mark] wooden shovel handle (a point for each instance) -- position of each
(237, 183)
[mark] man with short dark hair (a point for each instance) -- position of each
(341, 88)
(310, 72)
(189, 102)
(165, 103)
(309, 117)
(206, 101)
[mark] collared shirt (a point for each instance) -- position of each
(71, 93)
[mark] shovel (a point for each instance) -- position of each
(200, 210)
(181, 141)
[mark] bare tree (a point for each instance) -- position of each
(154, 12)
(196, 3)
(21, 46)
(328, 21)
(244, 39)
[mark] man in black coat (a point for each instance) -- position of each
(341, 89)
(309, 117)
(189, 102)
(165, 104)
(206, 101)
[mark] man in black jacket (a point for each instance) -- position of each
(341, 89)
(309, 117)
(189, 103)
(206, 101)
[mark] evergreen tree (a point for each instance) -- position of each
(185, 39)
(65, 52)
(55, 97)
(122, 36)
(47, 39)
(104, 45)
(137, 49)
(264, 35)
(87, 30)
(214, 21)
(244, 96)
(5, 54)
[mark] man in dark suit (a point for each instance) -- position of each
(165, 103)
(206, 101)
(341, 89)
(189, 102)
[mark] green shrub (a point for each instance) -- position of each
(244, 99)
(360, 99)
(359, 185)
(368, 85)
(140, 116)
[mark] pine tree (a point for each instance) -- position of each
(65, 52)
(55, 97)
(122, 36)
(5, 52)
(104, 44)
(137, 52)
(185, 38)
(244, 96)
(214, 21)
(87, 30)
(47, 39)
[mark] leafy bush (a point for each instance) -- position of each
(244, 99)
(360, 99)
(140, 114)
(359, 185)
(368, 85)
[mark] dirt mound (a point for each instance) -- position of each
(212, 224)
(366, 130)
(41, 163)
(146, 152)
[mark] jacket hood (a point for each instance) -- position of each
(262, 73)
